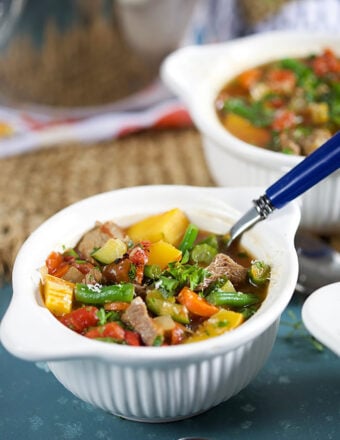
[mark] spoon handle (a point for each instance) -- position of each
(299, 179)
(315, 167)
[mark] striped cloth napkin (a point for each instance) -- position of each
(28, 128)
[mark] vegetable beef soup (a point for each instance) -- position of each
(161, 281)
(290, 105)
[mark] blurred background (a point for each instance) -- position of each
(86, 53)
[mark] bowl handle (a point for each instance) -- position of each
(184, 70)
(37, 336)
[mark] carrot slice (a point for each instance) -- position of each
(246, 131)
(249, 77)
(118, 306)
(196, 304)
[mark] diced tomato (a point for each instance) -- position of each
(325, 63)
(139, 257)
(110, 330)
(84, 268)
(275, 102)
(56, 265)
(177, 334)
(53, 261)
(80, 319)
(283, 119)
(132, 338)
(281, 80)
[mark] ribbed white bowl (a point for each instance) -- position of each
(197, 73)
(153, 384)
(149, 393)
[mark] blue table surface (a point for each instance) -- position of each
(295, 396)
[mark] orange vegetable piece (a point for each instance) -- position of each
(196, 304)
(117, 306)
(56, 265)
(249, 77)
(246, 131)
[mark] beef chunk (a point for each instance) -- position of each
(73, 275)
(97, 237)
(136, 316)
(318, 137)
(224, 265)
(94, 276)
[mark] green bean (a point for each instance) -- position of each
(232, 299)
(189, 238)
(96, 294)
(152, 271)
(259, 272)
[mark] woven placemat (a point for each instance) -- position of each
(36, 185)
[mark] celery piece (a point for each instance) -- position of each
(259, 272)
(113, 249)
(160, 307)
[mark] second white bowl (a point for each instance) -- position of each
(196, 74)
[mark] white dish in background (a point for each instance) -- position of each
(197, 73)
(320, 315)
(148, 383)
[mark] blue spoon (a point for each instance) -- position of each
(315, 167)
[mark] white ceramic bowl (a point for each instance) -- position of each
(197, 73)
(148, 383)
(320, 315)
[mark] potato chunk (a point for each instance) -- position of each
(58, 295)
(168, 226)
(163, 253)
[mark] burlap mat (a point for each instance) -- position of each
(36, 185)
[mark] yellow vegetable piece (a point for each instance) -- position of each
(163, 253)
(219, 323)
(319, 112)
(58, 294)
(168, 226)
(246, 131)
(114, 248)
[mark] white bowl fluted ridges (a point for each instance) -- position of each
(153, 384)
(319, 209)
(161, 395)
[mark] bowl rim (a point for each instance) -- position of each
(77, 346)
(200, 99)
(320, 324)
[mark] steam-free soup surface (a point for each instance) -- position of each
(290, 105)
(162, 281)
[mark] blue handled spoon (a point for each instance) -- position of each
(315, 167)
